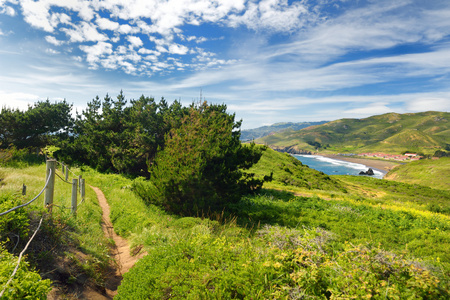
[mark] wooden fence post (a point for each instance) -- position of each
(62, 168)
(74, 195)
(79, 183)
(48, 198)
(67, 173)
(24, 189)
(82, 189)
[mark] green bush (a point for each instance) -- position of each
(276, 263)
(14, 225)
(26, 284)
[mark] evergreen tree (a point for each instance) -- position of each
(201, 166)
(40, 124)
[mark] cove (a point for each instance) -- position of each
(332, 166)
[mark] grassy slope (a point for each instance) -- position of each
(394, 133)
(432, 173)
(71, 251)
(289, 171)
(290, 246)
(195, 257)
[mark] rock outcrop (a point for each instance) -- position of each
(368, 172)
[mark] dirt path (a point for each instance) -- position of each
(121, 250)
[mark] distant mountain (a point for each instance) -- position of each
(391, 133)
(250, 134)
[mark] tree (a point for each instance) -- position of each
(40, 124)
(112, 136)
(201, 165)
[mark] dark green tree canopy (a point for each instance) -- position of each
(202, 165)
(111, 136)
(40, 124)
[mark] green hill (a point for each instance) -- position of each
(432, 173)
(288, 171)
(423, 132)
(256, 133)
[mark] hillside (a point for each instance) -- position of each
(391, 133)
(256, 133)
(288, 171)
(432, 173)
(356, 235)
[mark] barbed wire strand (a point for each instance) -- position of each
(20, 258)
(29, 202)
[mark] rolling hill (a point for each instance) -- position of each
(393, 133)
(250, 134)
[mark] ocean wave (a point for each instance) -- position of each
(342, 163)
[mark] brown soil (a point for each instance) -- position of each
(121, 249)
(61, 268)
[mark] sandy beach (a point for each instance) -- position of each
(384, 166)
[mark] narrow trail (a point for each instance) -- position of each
(121, 251)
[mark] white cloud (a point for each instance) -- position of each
(178, 49)
(277, 15)
(51, 51)
(17, 100)
(95, 52)
(8, 10)
(135, 41)
(107, 24)
(370, 110)
(85, 32)
(52, 40)
(429, 103)
(127, 29)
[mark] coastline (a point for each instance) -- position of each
(380, 165)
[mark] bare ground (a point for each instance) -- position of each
(82, 288)
(121, 249)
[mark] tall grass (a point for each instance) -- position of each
(279, 245)
(76, 240)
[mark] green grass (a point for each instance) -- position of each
(278, 245)
(76, 242)
(432, 173)
(334, 237)
(289, 171)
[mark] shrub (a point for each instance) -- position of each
(26, 284)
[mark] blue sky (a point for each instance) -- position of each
(269, 61)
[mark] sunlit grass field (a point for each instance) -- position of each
(304, 235)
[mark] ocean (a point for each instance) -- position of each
(331, 166)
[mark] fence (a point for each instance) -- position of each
(78, 185)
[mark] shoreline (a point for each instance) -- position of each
(382, 166)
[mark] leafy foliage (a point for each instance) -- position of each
(201, 165)
(26, 284)
(113, 137)
(42, 123)
(13, 226)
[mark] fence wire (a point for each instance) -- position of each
(32, 200)
(20, 258)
